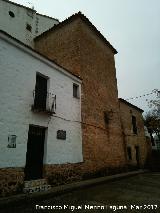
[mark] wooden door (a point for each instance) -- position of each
(35, 152)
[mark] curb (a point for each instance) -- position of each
(22, 199)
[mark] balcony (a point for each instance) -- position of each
(44, 102)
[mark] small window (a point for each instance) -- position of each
(29, 27)
(11, 14)
(75, 91)
(134, 124)
(129, 152)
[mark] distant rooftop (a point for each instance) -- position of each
(131, 105)
(28, 8)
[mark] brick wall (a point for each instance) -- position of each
(79, 49)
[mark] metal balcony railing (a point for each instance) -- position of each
(44, 102)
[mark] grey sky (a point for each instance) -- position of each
(131, 26)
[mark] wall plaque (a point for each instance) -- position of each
(61, 134)
(12, 141)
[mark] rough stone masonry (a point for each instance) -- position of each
(79, 47)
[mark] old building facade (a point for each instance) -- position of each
(137, 147)
(22, 22)
(39, 114)
(84, 129)
(78, 46)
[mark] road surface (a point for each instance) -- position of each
(140, 193)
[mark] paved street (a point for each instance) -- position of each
(140, 193)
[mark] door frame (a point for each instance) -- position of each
(44, 147)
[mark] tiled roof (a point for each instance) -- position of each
(86, 20)
(131, 105)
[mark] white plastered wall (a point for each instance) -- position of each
(18, 68)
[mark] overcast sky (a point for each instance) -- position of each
(131, 26)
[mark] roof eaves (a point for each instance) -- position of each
(20, 5)
(86, 20)
(52, 61)
(47, 16)
(28, 8)
(57, 26)
(131, 105)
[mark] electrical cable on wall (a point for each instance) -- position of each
(99, 127)
(81, 122)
